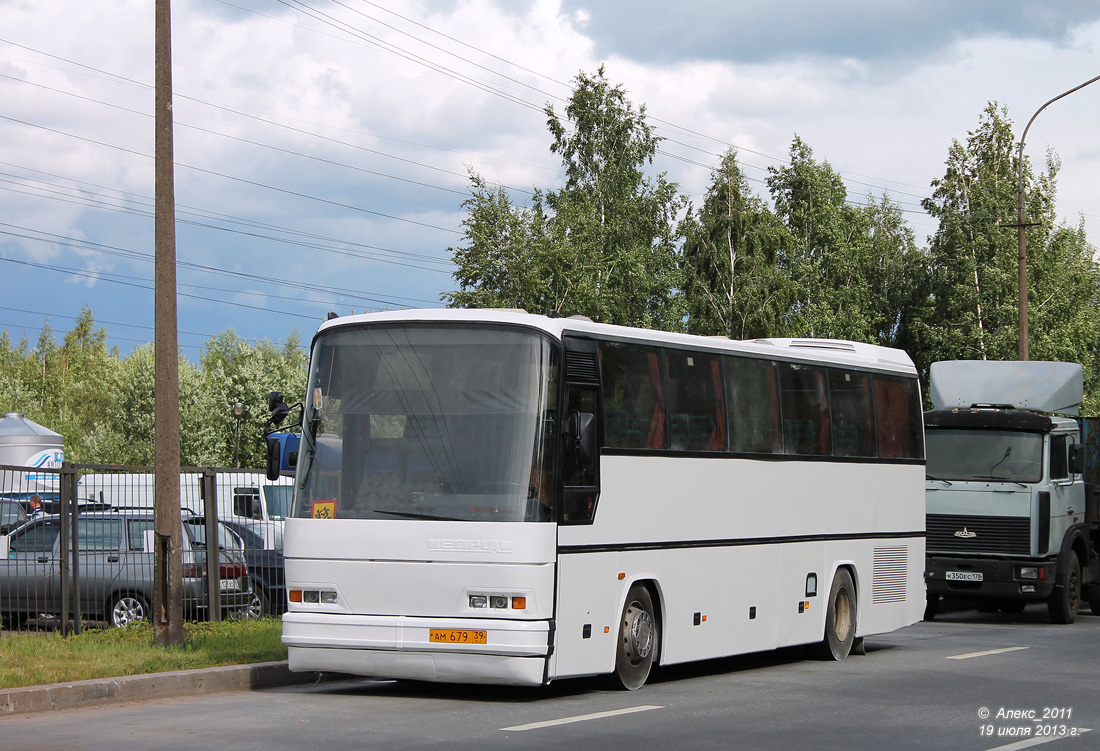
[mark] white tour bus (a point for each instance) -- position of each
(498, 497)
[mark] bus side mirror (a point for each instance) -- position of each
(274, 457)
(580, 437)
(1076, 459)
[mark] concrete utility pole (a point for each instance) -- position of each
(168, 566)
(1021, 225)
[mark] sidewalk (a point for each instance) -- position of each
(109, 691)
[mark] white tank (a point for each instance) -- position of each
(24, 443)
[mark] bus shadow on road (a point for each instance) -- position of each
(574, 687)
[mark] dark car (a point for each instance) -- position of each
(114, 565)
(12, 515)
(265, 568)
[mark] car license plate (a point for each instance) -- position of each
(963, 576)
(456, 636)
(230, 585)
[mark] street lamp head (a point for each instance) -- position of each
(238, 410)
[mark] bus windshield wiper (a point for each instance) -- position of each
(939, 479)
(411, 515)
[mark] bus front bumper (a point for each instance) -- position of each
(514, 652)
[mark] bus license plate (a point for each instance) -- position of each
(456, 636)
(963, 576)
(230, 585)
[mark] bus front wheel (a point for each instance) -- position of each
(637, 645)
(840, 619)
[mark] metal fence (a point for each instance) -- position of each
(77, 550)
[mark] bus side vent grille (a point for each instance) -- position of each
(580, 367)
(888, 575)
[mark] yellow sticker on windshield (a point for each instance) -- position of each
(323, 510)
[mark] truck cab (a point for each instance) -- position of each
(1008, 520)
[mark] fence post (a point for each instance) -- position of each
(69, 481)
(64, 557)
(213, 553)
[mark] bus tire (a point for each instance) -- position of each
(840, 619)
(1066, 598)
(636, 648)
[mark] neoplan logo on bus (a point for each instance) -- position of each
(471, 546)
(965, 534)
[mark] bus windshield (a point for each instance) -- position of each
(427, 422)
(997, 455)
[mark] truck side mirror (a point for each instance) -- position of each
(274, 457)
(1076, 459)
(278, 407)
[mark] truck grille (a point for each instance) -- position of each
(991, 534)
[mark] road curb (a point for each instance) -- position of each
(108, 691)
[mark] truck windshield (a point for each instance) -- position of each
(998, 455)
(427, 422)
(278, 500)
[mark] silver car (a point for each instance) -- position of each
(114, 568)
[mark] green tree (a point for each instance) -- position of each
(498, 268)
(604, 245)
(235, 371)
(66, 388)
(732, 281)
(852, 266)
(972, 307)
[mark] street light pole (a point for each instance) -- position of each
(238, 413)
(1021, 226)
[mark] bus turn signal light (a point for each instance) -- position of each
(519, 603)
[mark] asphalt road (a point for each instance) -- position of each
(965, 681)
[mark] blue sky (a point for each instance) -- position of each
(322, 147)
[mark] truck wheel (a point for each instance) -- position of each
(637, 646)
(840, 619)
(1066, 598)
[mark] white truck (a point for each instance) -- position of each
(244, 496)
(1011, 504)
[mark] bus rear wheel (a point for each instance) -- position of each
(840, 619)
(637, 645)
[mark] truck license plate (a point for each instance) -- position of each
(963, 576)
(456, 636)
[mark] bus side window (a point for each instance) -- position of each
(633, 400)
(853, 417)
(805, 401)
(899, 418)
(753, 406)
(697, 416)
(581, 473)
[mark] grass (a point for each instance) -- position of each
(33, 658)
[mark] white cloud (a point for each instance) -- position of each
(884, 118)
